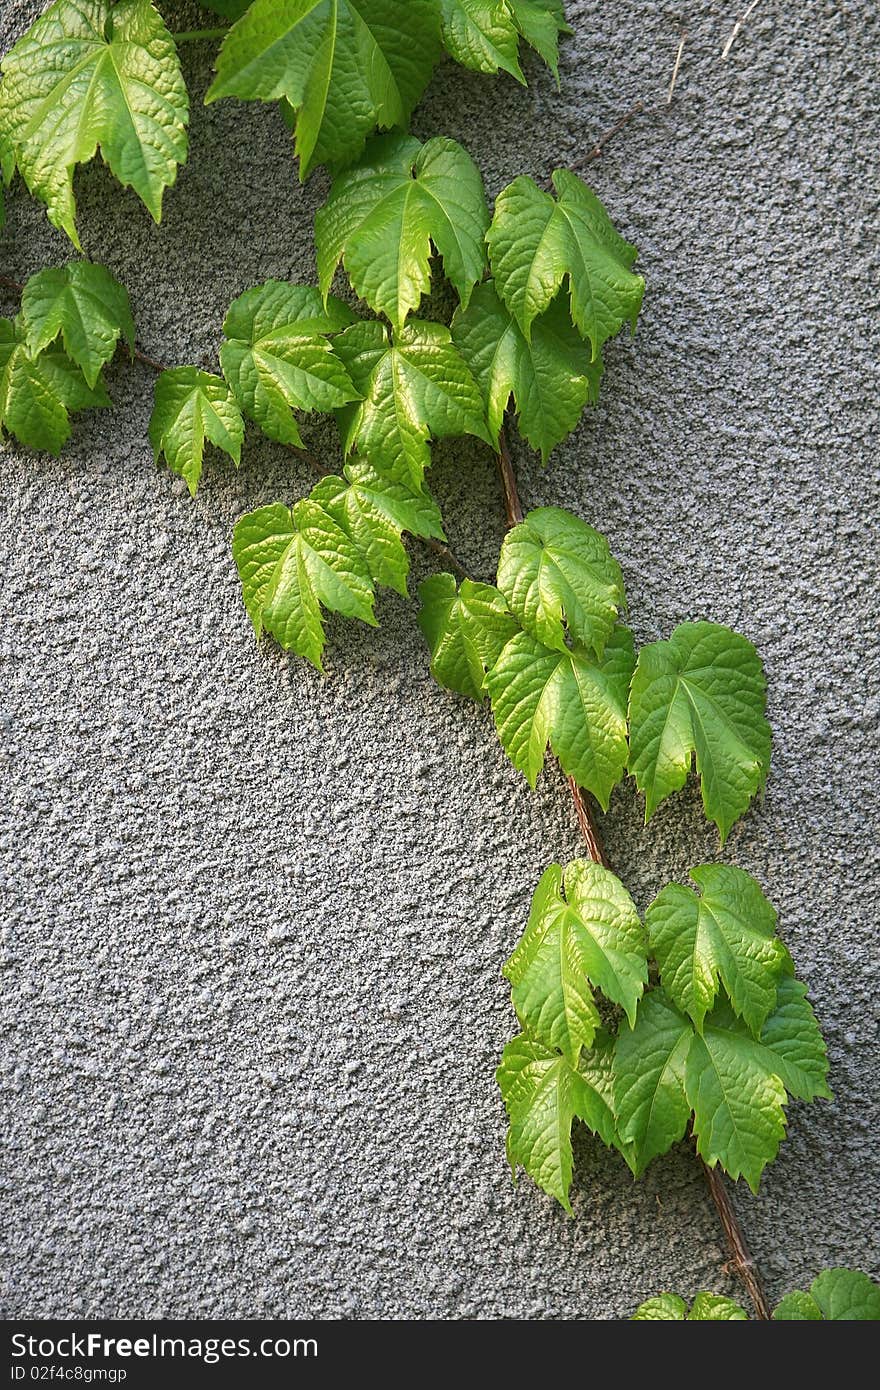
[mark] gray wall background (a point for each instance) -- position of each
(254, 920)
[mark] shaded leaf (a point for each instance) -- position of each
(550, 376)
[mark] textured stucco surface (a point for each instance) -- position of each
(253, 920)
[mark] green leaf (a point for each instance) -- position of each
(344, 66)
(374, 511)
(83, 305)
(39, 390)
(797, 1307)
(189, 408)
(590, 936)
(714, 1307)
(541, 22)
(736, 1085)
(664, 1307)
(543, 1095)
(382, 217)
(726, 936)
(415, 388)
(649, 1067)
(550, 377)
(292, 562)
(536, 243)
(466, 629)
(90, 74)
(277, 358)
(701, 692)
(706, 1307)
(554, 568)
(569, 699)
(482, 36)
(837, 1295)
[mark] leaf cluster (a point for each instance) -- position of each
(723, 1057)
(836, 1295)
(105, 75)
(560, 669)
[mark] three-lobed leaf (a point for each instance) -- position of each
(191, 407)
(291, 562)
(700, 693)
(550, 376)
(277, 358)
(557, 573)
(92, 74)
(836, 1295)
(543, 1095)
(569, 699)
(415, 387)
(384, 215)
(466, 628)
(726, 935)
(84, 306)
(374, 511)
(38, 391)
(343, 67)
(538, 242)
(733, 1085)
(590, 935)
(485, 34)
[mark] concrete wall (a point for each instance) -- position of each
(254, 920)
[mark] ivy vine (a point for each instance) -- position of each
(691, 1020)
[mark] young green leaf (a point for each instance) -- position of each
(39, 390)
(536, 243)
(797, 1307)
(414, 389)
(484, 35)
(189, 408)
(466, 630)
(590, 936)
(541, 22)
(706, 1307)
(374, 511)
(554, 568)
(90, 74)
(543, 1095)
(83, 305)
(569, 699)
(551, 377)
(837, 1295)
(725, 936)
(277, 358)
(383, 216)
(290, 564)
(663, 1307)
(703, 692)
(344, 67)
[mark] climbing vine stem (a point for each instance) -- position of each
(741, 1262)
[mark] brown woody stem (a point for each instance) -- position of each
(741, 1261)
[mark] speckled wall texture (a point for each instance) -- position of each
(253, 920)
